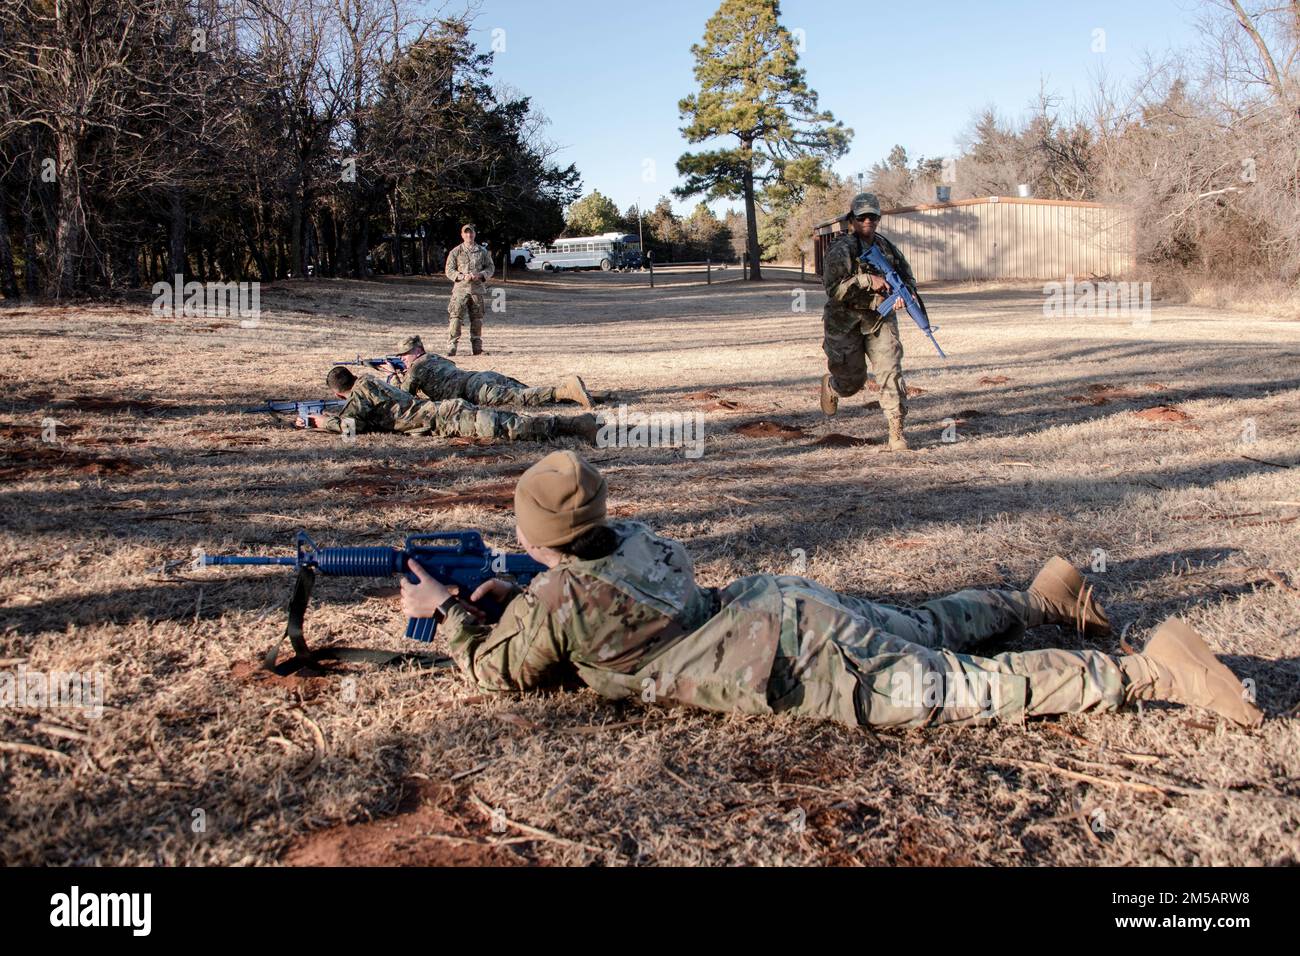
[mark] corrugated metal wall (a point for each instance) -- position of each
(1010, 239)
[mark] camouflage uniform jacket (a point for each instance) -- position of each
(850, 308)
(636, 624)
(469, 258)
(377, 406)
(436, 378)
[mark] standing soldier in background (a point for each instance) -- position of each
(854, 332)
(469, 265)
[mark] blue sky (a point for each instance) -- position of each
(609, 74)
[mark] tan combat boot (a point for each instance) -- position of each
(1066, 598)
(573, 389)
(1177, 665)
(585, 427)
(897, 440)
(451, 347)
(829, 400)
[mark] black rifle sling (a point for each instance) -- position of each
(303, 656)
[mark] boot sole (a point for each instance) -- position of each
(1061, 572)
(1178, 642)
(830, 402)
(583, 397)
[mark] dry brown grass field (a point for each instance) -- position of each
(1072, 435)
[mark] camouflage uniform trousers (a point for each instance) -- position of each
(465, 299)
(457, 418)
(847, 354)
(494, 389)
(912, 667)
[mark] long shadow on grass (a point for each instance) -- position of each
(180, 601)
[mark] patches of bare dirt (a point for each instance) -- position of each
(230, 439)
(1101, 394)
(499, 496)
(993, 380)
(96, 403)
(1163, 413)
(837, 440)
(34, 398)
(770, 430)
(26, 462)
(305, 684)
(433, 826)
(33, 431)
(110, 440)
(714, 403)
(382, 470)
(370, 487)
(915, 847)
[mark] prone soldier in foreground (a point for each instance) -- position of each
(438, 379)
(375, 406)
(619, 609)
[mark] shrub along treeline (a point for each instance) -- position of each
(254, 139)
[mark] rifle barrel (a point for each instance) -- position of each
(234, 559)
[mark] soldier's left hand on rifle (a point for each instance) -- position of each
(878, 285)
(311, 421)
(428, 598)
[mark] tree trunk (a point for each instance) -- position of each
(69, 228)
(328, 240)
(751, 225)
(343, 251)
(363, 247)
(295, 234)
(31, 273)
(8, 281)
(263, 267)
(176, 237)
(397, 233)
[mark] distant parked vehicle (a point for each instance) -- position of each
(521, 256)
(608, 252)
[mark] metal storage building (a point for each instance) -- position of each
(1000, 237)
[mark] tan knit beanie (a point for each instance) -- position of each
(558, 499)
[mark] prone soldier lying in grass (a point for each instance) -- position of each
(619, 609)
(375, 406)
(439, 379)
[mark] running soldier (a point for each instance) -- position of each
(853, 331)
